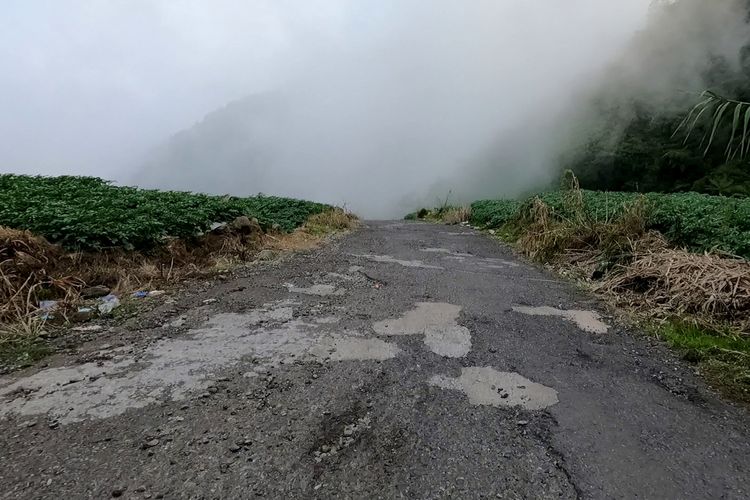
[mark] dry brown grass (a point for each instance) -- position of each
(640, 270)
(27, 264)
(669, 282)
(545, 237)
(337, 219)
(456, 215)
(296, 241)
(32, 269)
(311, 234)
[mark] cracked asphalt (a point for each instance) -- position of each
(402, 360)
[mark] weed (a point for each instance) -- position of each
(723, 357)
(337, 219)
(20, 341)
(456, 215)
(445, 214)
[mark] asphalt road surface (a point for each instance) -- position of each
(404, 360)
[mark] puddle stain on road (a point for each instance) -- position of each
(174, 368)
(437, 322)
(588, 321)
(485, 386)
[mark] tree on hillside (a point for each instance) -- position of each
(649, 133)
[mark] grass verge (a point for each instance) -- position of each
(447, 215)
(722, 357)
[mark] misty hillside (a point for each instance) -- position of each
(218, 154)
(632, 138)
(617, 132)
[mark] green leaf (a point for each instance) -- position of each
(698, 117)
(735, 125)
(718, 115)
(745, 137)
(695, 108)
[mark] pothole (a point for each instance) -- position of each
(588, 321)
(437, 322)
(487, 386)
(349, 435)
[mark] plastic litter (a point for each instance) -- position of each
(142, 293)
(108, 303)
(46, 307)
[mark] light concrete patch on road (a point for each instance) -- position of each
(320, 290)
(487, 386)
(353, 349)
(327, 320)
(174, 368)
(391, 260)
(493, 263)
(446, 251)
(588, 321)
(455, 257)
(437, 322)
(486, 262)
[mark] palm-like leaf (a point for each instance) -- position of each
(715, 107)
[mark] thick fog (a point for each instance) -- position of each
(377, 104)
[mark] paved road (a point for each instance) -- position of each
(404, 360)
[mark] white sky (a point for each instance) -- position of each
(88, 85)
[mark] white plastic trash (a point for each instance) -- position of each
(108, 303)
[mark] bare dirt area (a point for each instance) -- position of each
(402, 360)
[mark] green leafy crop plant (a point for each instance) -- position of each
(89, 213)
(698, 222)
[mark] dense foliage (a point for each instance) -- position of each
(90, 213)
(698, 222)
(494, 213)
(640, 143)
